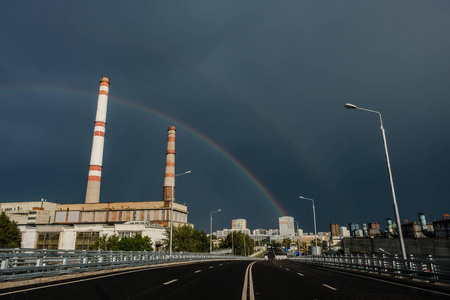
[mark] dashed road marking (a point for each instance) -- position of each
(300, 274)
(211, 267)
(198, 271)
(330, 287)
(287, 269)
(169, 282)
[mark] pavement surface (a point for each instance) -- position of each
(265, 279)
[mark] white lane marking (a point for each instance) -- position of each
(198, 271)
(300, 274)
(252, 291)
(169, 282)
(287, 269)
(248, 283)
(330, 287)
(211, 267)
(220, 264)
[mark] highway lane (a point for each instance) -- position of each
(270, 279)
(281, 279)
(204, 280)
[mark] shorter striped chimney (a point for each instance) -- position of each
(169, 176)
(95, 167)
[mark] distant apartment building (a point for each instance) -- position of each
(354, 229)
(260, 232)
(334, 229)
(239, 224)
(286, 226)
(344, 231)
(274, 231)
(374, 226)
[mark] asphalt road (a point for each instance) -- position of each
(270, 279)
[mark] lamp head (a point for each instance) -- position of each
(350, 106)
(188, 172)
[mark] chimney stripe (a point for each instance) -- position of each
(94, 178)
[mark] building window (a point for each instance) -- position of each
(47, 240)
(128, 233)
(85, 240)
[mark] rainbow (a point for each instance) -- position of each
(197, 134)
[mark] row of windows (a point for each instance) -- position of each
(117, 216)
(84, 240)
(50, 240)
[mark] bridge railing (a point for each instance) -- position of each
(30, 263)
(428, 268)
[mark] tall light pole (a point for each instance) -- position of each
(296, 236)
(314, 214)
(171, 213)
(210, 230)
(232, 242)
(397, 215)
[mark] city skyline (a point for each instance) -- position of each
(256, 92)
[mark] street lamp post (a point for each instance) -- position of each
(232, 242)
(171, 213)
(397, 215)
(297, 237)
(210, 230)
(314, 214)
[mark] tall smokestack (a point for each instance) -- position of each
(169, 176)
(95, 167)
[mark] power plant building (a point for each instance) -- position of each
(48, 225)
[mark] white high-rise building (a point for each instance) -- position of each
(239, 224)
(286, 226)
(344, 231)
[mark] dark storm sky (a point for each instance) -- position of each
(264, 80)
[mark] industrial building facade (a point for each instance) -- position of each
(83, 236)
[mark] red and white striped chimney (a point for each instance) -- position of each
(95, 167)
(169, 176)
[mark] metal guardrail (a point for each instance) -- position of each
(428, 268)
(17, 264)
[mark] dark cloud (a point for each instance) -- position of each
(265, 81)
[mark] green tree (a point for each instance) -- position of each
(275, 244)
(242, 243)
(286, 243)
(106, 243)
(186, 239)
(10, 236)
(135, 243)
